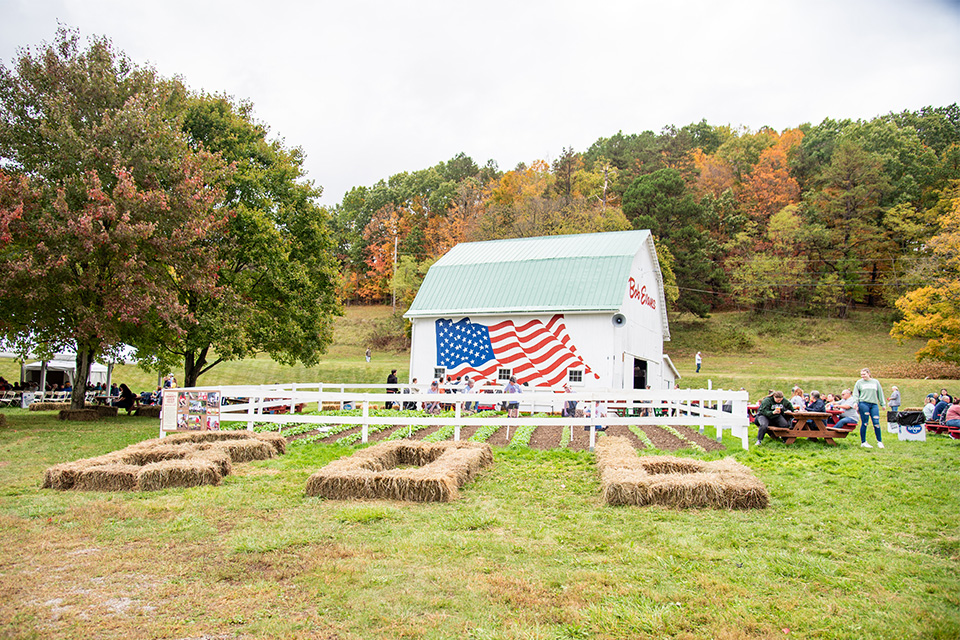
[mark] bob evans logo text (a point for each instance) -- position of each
(641, 294)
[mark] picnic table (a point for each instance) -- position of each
(809, 424)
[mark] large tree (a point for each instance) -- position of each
(105, 208)
(277, 277)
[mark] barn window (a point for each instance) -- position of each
(439, 373)
(575, 376)
(504, 374)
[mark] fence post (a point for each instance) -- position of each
(293, 398)
(456, 427)
(366, 416)
(250, 410)
(320, 399)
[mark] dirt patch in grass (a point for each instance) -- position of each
(546, 437)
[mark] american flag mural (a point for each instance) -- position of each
(537, 353)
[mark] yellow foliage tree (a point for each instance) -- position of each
(933, 311)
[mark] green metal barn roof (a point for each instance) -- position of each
(576, 273)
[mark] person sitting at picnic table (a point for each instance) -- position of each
(816, 402)
(411, 406)
(771, 413)
(128, 400)
(433, 407)
(931, 404)
(849, 407)
(943, 402)
(952, 414)
(797, 399)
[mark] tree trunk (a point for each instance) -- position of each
(193, 364)
(85, 357)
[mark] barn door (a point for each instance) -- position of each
(639, 373)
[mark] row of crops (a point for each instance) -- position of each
(351, 434)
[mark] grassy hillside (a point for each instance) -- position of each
(769, 351)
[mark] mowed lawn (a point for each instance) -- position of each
(855, 544)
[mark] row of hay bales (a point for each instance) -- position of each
(403, 470)
(186, 459)
(630, 479)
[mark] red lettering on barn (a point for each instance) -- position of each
(641, 294)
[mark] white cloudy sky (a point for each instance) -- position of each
(370, 88)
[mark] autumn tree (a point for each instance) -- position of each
(106, 209)
(932, 312)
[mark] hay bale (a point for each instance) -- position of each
(49, 406)
(219, 458)
(439, 470)
(104, 411)
(245, 450)
(191, 472)
(78, 415)
(149, 411)
(143, 455)
(629, 479)
(209, 436)
(108, 477)
(275, 440)
(63, 476)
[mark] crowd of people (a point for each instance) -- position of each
(464, 385)
(860, 404)
(118, 395)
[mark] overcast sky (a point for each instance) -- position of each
(373, 88)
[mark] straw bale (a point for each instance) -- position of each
(143, 455)
(629, 479)
(78, 415)
(219, 458)
(149, 411)
(438, 471)
(104, 411)
(49, 406)
(192, 472)
(275, 440)
(63, 476)
(108, 477)
(243, 450)
(209, 436)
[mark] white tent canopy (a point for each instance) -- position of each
(98, 372)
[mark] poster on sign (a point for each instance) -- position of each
(190, 410)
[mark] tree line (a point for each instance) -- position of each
(809, 220)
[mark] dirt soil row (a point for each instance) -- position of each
(548, 437)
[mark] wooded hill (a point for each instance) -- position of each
(810, 220)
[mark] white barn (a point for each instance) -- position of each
(585, 309)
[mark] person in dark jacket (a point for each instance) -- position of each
(128, 399)
(392, 379)
(816, 402)
(771, 414)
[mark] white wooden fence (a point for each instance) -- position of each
(698, 408)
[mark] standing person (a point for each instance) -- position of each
(869, 396)
(771, 413)
(432, 407)
(367, 354)
(699, 360)
(894, 403)
(569, 406)
(469, 388)
(513, 408)
(392, 380)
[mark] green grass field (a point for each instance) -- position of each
(855, 544)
